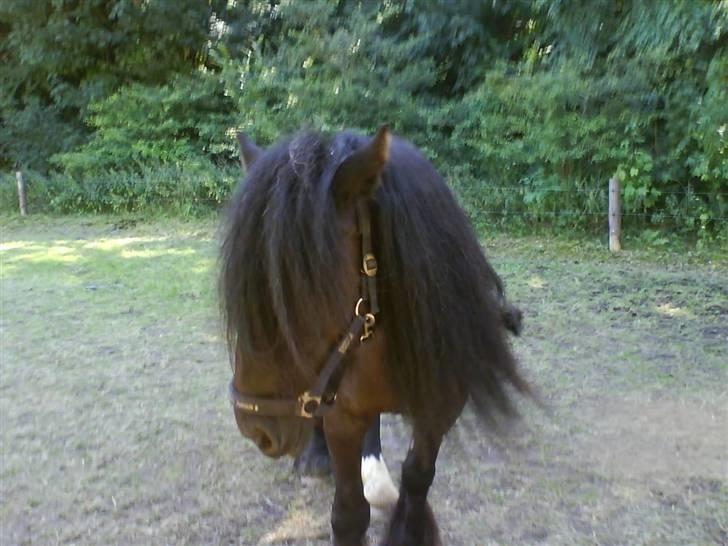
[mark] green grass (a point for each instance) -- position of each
(115, 426)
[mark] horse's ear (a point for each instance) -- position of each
(358, 174)
(249, 152)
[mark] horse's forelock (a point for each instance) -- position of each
(281, 248)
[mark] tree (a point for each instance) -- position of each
(61, 55)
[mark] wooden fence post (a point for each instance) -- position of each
(21, 193)
(615, 216)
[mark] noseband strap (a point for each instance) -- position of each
(319, 399)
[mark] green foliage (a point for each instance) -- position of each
(187, 189)
(56, 57)
(142, 126)
(337, 67)
(527, 107)
(624, 95)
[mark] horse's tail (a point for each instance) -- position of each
(512, 318)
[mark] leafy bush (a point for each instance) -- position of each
(142, 126)
(57, 57)
(550, 131)
(181, 189)
(337, 67)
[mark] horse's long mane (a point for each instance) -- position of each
(281, 250)
(440, 299)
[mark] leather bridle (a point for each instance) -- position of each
(319, 399)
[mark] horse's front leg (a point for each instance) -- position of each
(350, 511)
(413, 523)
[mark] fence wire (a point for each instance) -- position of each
(598, 194)
(686, 193)
(182, 200)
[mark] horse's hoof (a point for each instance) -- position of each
(400, 532)
(379, 490)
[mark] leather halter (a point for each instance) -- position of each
(319, 399)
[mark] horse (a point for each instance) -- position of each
(351, 285)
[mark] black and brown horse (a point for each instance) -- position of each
(353, 285)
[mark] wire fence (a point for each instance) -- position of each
(520, 189)
(600, 196)
(535, 214)
(655, 214)
(496, 201)
(213, 203)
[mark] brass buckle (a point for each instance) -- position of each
(369, 322)
(369, 265)
(308, 405)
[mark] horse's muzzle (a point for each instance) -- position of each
(274, 436)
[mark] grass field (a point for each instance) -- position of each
(115, 426)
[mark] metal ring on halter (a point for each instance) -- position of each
(356, 309)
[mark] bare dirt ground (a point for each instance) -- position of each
(115, 426)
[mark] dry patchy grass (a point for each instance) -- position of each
(115, 428)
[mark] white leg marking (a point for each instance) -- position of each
(379, 490)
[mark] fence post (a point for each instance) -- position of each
(615, 216)
(21, 193)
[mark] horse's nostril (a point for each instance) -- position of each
(264, 442)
